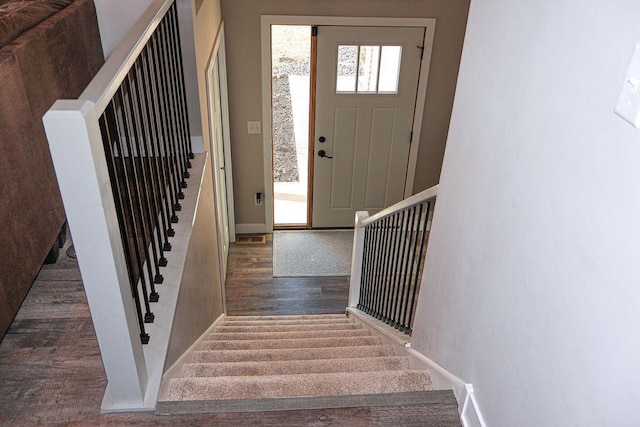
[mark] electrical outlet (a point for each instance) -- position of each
(258, 200)
(254, 128)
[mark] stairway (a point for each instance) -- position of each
(291, 362)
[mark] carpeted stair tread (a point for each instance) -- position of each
(288, 328)
(287, 335)
(292, 354)
(394, 363)
(298, 385)
(268, 359)
(342, 320)
(289, 343)
(286, 317)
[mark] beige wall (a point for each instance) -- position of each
(200, 301)
(115, 19)
(242, 28)
(199, 24)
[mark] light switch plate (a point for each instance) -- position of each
(628, 105)
(254, 128)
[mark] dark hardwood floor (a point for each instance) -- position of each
(252, 291)
(51, 372)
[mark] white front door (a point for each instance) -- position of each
(367, 79)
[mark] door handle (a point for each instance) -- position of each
(323, 153)
(322, 139)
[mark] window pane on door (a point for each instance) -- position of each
(347, 68)
(368, 69)
(389, 69)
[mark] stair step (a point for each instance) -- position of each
(289, 343)
(287, 335)
(298, 385)
(342, 320)
(427, 408)
(287, 317)
(292, 354)
(394, 363)
(287, 328)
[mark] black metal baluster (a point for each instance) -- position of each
(416, 240)
(384, 284)
(380, 268)
(148, 202)
(416, 284)
(153, 158)
(407, 262)
(108, 137)
(380, 275)
(365, 268)
(182, 83)
(176, 65)
(384, 289)
(158, 95)
(170, 116)
(135, 184)
(371, 238)
(393, 272)
(399, 280)
(148, 317)
(166, 194)
(375, 264)
(171, 83)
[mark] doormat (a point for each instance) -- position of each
(312, 253)
(250, 239)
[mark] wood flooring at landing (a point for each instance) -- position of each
(51, 371)
(253, 291)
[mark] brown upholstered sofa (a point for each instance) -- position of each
(49, 50)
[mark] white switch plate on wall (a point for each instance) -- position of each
(254, 128)
(628, 105)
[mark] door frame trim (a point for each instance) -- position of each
(218, 56)
(267, 20)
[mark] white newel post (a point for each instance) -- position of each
(356, 259)
(79, 160)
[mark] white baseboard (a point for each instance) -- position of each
(251, 228)
(441, 379)
(197, 144)
(470, 414)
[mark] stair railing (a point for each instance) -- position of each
(388, 259)
(121, 152)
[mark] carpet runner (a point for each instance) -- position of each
(291, 362)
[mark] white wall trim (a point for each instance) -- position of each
(441, 379)
(470, 414)
(421, 98)
(468, 407)
(224, 94)
(267, 155)
(267, 20)
(252, 229)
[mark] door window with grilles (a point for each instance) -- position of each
(368, 69)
